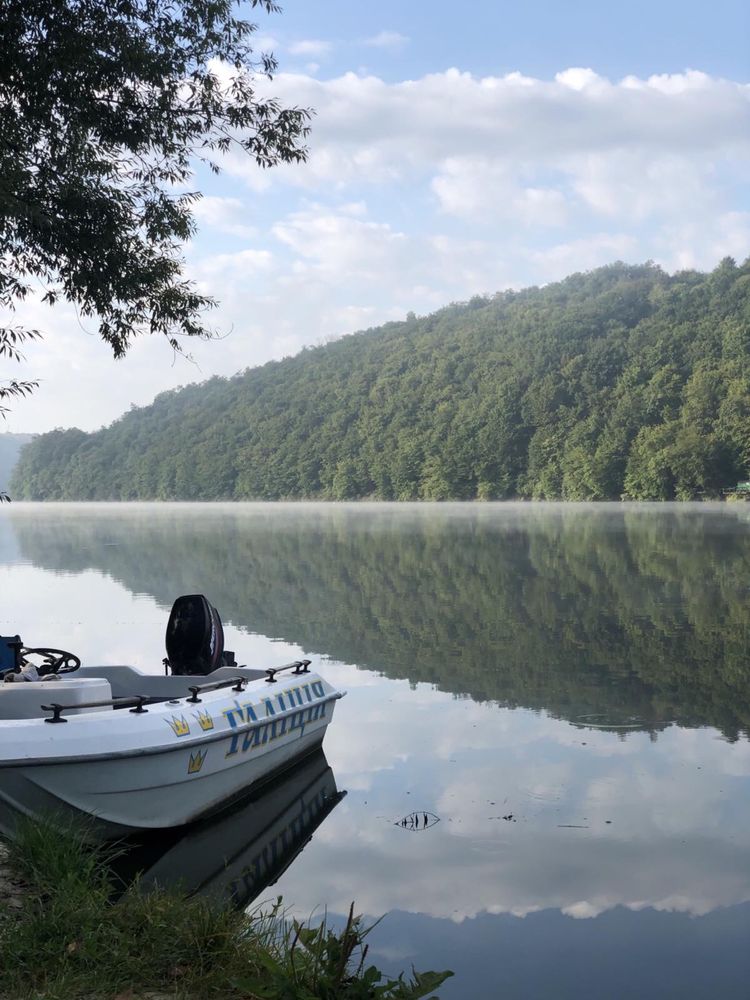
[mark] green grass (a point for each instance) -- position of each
(74, 937)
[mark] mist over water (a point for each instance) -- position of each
(564, 686)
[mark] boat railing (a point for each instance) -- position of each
(138, 700)
(299, 667)
(236, 683)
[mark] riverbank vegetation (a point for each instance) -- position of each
(622, 382)
(72, 935)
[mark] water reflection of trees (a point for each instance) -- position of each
(610, 611)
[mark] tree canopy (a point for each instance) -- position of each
(625, 381)
(105, 108)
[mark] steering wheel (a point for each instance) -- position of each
(54, 661)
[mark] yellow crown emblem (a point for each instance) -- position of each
(196, 761)
(181, 726)
(205, 721)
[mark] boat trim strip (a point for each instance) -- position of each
(164, 748)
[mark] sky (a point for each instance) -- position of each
(455, 150)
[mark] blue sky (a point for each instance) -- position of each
(454, 151)
(537, 36)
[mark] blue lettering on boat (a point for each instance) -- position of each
(272, 729)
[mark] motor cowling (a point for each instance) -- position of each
(195, 637)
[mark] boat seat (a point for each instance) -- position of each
(25, 700)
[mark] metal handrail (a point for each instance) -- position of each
(299, 667)
(237, 684)
(139, 700)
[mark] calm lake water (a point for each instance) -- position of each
(563, 691)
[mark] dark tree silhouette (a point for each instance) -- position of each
(105, 108)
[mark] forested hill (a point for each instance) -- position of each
(10, 448)
(624, 381)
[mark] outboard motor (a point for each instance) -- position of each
(195, 638)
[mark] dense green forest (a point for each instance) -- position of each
(621, 382)
(10, 449)
(601, 616)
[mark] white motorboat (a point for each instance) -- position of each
(125, 749)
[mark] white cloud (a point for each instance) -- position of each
(636, 186)
(483, 190)
(421, 192)
(224, 215)
(578, 78)
(419, 124)
(314, 47)
(392, 40)
(232, 266)
(265, 43)
(533, 151)
(335, 242)
(583, 254)
(700, 240)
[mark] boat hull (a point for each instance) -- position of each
(205, 756)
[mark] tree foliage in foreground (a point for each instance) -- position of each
(622, 382)
(105, 108)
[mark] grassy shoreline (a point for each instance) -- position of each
(67, 934)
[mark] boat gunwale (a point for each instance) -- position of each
(165, 748)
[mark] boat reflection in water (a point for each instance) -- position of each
(235, 855)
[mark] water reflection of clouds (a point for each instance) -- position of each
(513, 872)
(678, 836)
(659, 829)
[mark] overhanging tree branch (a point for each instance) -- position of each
(105, 105)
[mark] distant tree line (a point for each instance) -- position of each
(624, 382)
